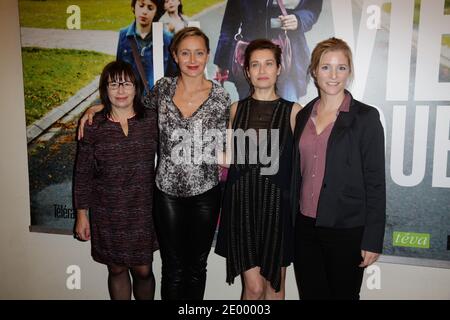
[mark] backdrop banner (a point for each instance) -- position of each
(401, 51)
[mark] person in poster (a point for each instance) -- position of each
(339, 183)
(174, 20)
(139, 35)
(247, 20)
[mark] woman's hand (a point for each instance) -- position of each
(88, 116)
(82, 228)
(368, 257)
(289, 22)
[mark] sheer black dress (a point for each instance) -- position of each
(255, 226)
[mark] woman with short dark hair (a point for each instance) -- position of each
(113, 179)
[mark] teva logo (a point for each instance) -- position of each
(411, 239)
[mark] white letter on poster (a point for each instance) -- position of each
(74, 280)
(374, 280)
(441, 148)
(419, 147)
(383, 122)
(343, 26)
(74, 21)
(433, 24)
(399, 55)
(158, 51)
(374, 19)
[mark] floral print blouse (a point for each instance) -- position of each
(187, 164)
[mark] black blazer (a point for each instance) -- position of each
(353, 191)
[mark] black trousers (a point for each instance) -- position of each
(185, 228)
(326, 261)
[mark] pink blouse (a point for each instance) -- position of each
(313, 150)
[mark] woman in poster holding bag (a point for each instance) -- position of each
(284, 21)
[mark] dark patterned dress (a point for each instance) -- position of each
(255, 226)
(114, 178)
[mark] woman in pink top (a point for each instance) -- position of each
(339, 181)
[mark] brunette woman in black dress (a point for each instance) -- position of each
(256, 233)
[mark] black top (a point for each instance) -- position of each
(255, 226)
(260, 114)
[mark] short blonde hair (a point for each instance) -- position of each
(331, 44)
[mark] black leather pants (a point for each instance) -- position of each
(185, 229)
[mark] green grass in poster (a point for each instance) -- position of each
(52, 76)
(95, 14)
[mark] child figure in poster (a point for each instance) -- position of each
(139, 34)
(174, 20)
